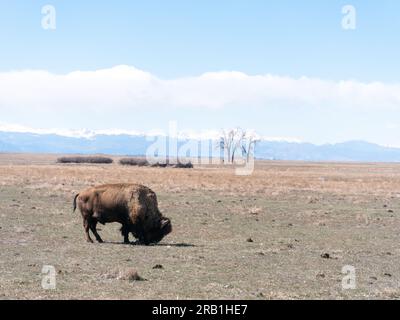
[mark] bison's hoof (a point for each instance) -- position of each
(100, 241)
(89, 240)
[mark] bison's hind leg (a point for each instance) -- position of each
(92, 225)
(86, 226)
(125, 232)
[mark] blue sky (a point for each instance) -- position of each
(180, 38)
(173, 40)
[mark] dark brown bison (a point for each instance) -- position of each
(133, 205)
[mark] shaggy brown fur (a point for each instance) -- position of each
(133, 205)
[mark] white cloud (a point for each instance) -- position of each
(125, 88)
(134, 102)
(391, 126)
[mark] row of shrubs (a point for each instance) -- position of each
(144, 162)
(84, 160)
(140, 162)
(134, 162)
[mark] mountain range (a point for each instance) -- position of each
(136, 145)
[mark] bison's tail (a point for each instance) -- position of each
(76, 196)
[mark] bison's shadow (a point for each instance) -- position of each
(137, 243)
(182, 244)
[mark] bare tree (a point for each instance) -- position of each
(236, 139)
(249, 144)
(226, 143)
(240, 136)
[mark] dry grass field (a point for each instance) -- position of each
(284, 232)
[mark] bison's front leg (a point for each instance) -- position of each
(92, 225)
(86, 227)
(139, 233)
(143, 239)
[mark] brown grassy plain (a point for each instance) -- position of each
(293, 212)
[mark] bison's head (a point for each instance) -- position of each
(157, 234)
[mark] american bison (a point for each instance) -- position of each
(133, 205)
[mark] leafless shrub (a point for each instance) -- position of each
(143, 162)
(128, 274)
(187, 165)
(159, 165)
(79, 159)
(134, 162)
